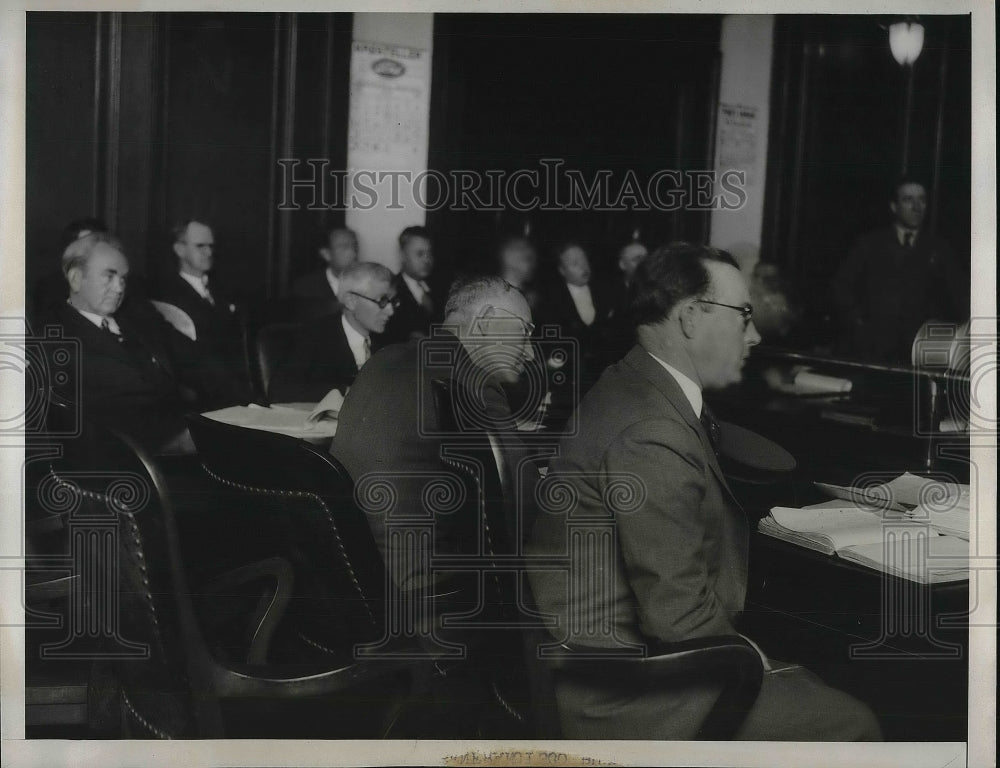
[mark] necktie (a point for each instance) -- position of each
(908, 240)
(207, 295)
(367, 350)
(712, 428)
(106, 326)
(425, 300)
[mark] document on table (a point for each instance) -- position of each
(290, 419)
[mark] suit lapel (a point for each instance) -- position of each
(660, 378)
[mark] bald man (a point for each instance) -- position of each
(332, 349)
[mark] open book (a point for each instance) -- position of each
(942, 505)
(887, 541)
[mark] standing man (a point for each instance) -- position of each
(315, 294)
(418, 305)
(217, 316)
(332, 349)
(677, 567)
(895, 279)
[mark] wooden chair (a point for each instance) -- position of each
(172, 680)
(730, 659)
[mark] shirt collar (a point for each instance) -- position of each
(200, 284)
(355, 340)
(691, 390)
(417, 287)
(578, 290)
(98, 320)
(902, 231)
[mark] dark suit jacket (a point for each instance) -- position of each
(137, 385)
(678, 561)
(312, 297)
(320, 360)
(884, 293)
(219, 327)
(411, 317)
(390, 426)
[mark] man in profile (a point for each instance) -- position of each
(137, 374)
(316, 294)
(677, 567)
(895, 279)
(418, 304)
(216, 314)
(332, 349)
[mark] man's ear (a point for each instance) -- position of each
(689, 315)
(75, 278)
(179, 250)
(325, 254)
(893, 207)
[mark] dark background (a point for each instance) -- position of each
(144, 118)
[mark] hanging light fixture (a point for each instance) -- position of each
(906, 40)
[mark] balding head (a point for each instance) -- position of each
(493, 320)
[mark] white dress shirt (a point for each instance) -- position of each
(583, 301)
(902, 232)
(200, 284)
(98, 320)
(691, 390)
(417, 287)
(360, 345)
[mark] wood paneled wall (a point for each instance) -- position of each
(147, 118)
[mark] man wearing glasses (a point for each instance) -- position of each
(677, 568)
(331, 350)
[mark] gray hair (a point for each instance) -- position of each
(78, 253)
(469, 296)
(359, 274)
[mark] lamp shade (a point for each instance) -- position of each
(906, 40)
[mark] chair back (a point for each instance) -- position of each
(274, 342)
(304, 498)
(125, 607)
(177, 317)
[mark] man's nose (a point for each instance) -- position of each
(751, 337)
(389, 309)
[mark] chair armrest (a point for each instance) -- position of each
(271, 606)
(726, 659)
(240, 681)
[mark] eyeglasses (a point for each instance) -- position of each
(527, 329)
(746, 311)
(382, 303)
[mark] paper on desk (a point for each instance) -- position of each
(925, 560)
(327, 408)
(903, 493)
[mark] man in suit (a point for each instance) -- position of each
(622, 333)
(136, 373)
(332, 349)
(50, 291)
(677, 565)
(391, 422)
(393, 428)
(316, 294)
(583, 311)
(895, 279)
(217, 315)
(419, 307)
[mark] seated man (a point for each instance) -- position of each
(390, 422)
(217, 315)
(418, 304)
(316, 294)
(677, 564)
(135, 372)
(622, 333)
(332, 349)
(895, 279)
